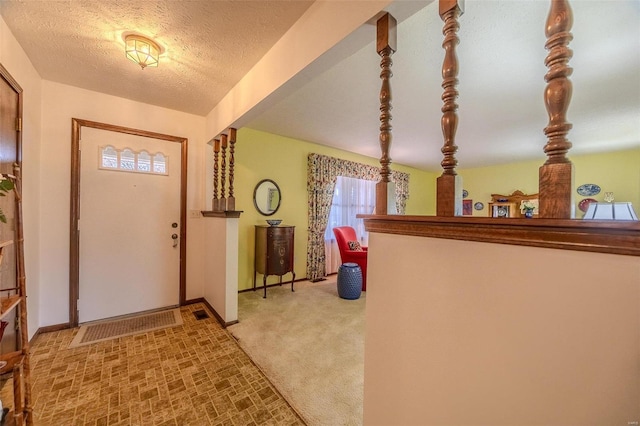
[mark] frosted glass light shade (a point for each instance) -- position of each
(142, 51)
(610, 211)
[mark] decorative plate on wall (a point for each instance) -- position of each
(478, 206)
(584, 204)
(588, 189)
(465, 193)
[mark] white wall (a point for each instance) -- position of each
(16, 62)
(60, 103)
(321, 27)
(221, 270)
(47, 111)
(464, 333)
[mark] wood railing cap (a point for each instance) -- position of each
(614, 237)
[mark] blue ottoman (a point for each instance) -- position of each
(349, 281)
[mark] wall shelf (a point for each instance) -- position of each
(16, 363)
(7, 304)
(12, 359)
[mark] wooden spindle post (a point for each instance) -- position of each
(18, 409)
(449, 184)
(556, 175)
(223, 174)
(215, 204)
(231, 201)
(386, 43)
(22, 285)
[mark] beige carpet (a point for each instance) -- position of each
(100, 331)
(310, 344)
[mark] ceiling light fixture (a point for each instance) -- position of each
(142, 51)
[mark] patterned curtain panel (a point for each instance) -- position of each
(321, 181)
(401, 181)
(322, 172)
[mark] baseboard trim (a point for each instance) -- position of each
(194, 301)
(213, 311)
(50, 329)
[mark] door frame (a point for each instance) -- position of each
(15, 337)
(4, 74)
(74, 246)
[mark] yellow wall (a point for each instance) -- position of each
(262, 155)
(617, 172)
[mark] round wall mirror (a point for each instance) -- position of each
(266, 197)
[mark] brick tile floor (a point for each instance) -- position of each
(192, 374)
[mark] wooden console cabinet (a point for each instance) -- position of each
(503, 209)
(506, 206)
(274, 253)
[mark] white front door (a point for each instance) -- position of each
(129, 261)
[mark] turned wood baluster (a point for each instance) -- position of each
(18, 412)
(449, 184)
(385, 46)
(216, 149)
(223, 174)
(231, 201)
(556, 175)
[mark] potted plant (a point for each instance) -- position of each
(528, 208)
(6, 185)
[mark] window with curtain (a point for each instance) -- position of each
(351, 197)
(322, 173)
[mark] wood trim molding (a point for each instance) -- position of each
(183, 217)
(224, 214)
(74, 246)
(18, 89)
(49, 329)
(213, 311)
(621, 237)
(74, 216)
(194, 301)
(9, 78)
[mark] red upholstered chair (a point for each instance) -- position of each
(345, 234)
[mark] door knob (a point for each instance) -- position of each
(174, 225)
(174, 237)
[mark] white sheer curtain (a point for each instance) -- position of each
(351, 196)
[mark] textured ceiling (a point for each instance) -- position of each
(208, 45)
(501, 84)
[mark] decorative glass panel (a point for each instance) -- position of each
(109, 157)
(127, 160)
(160, 164)
(144, 162)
